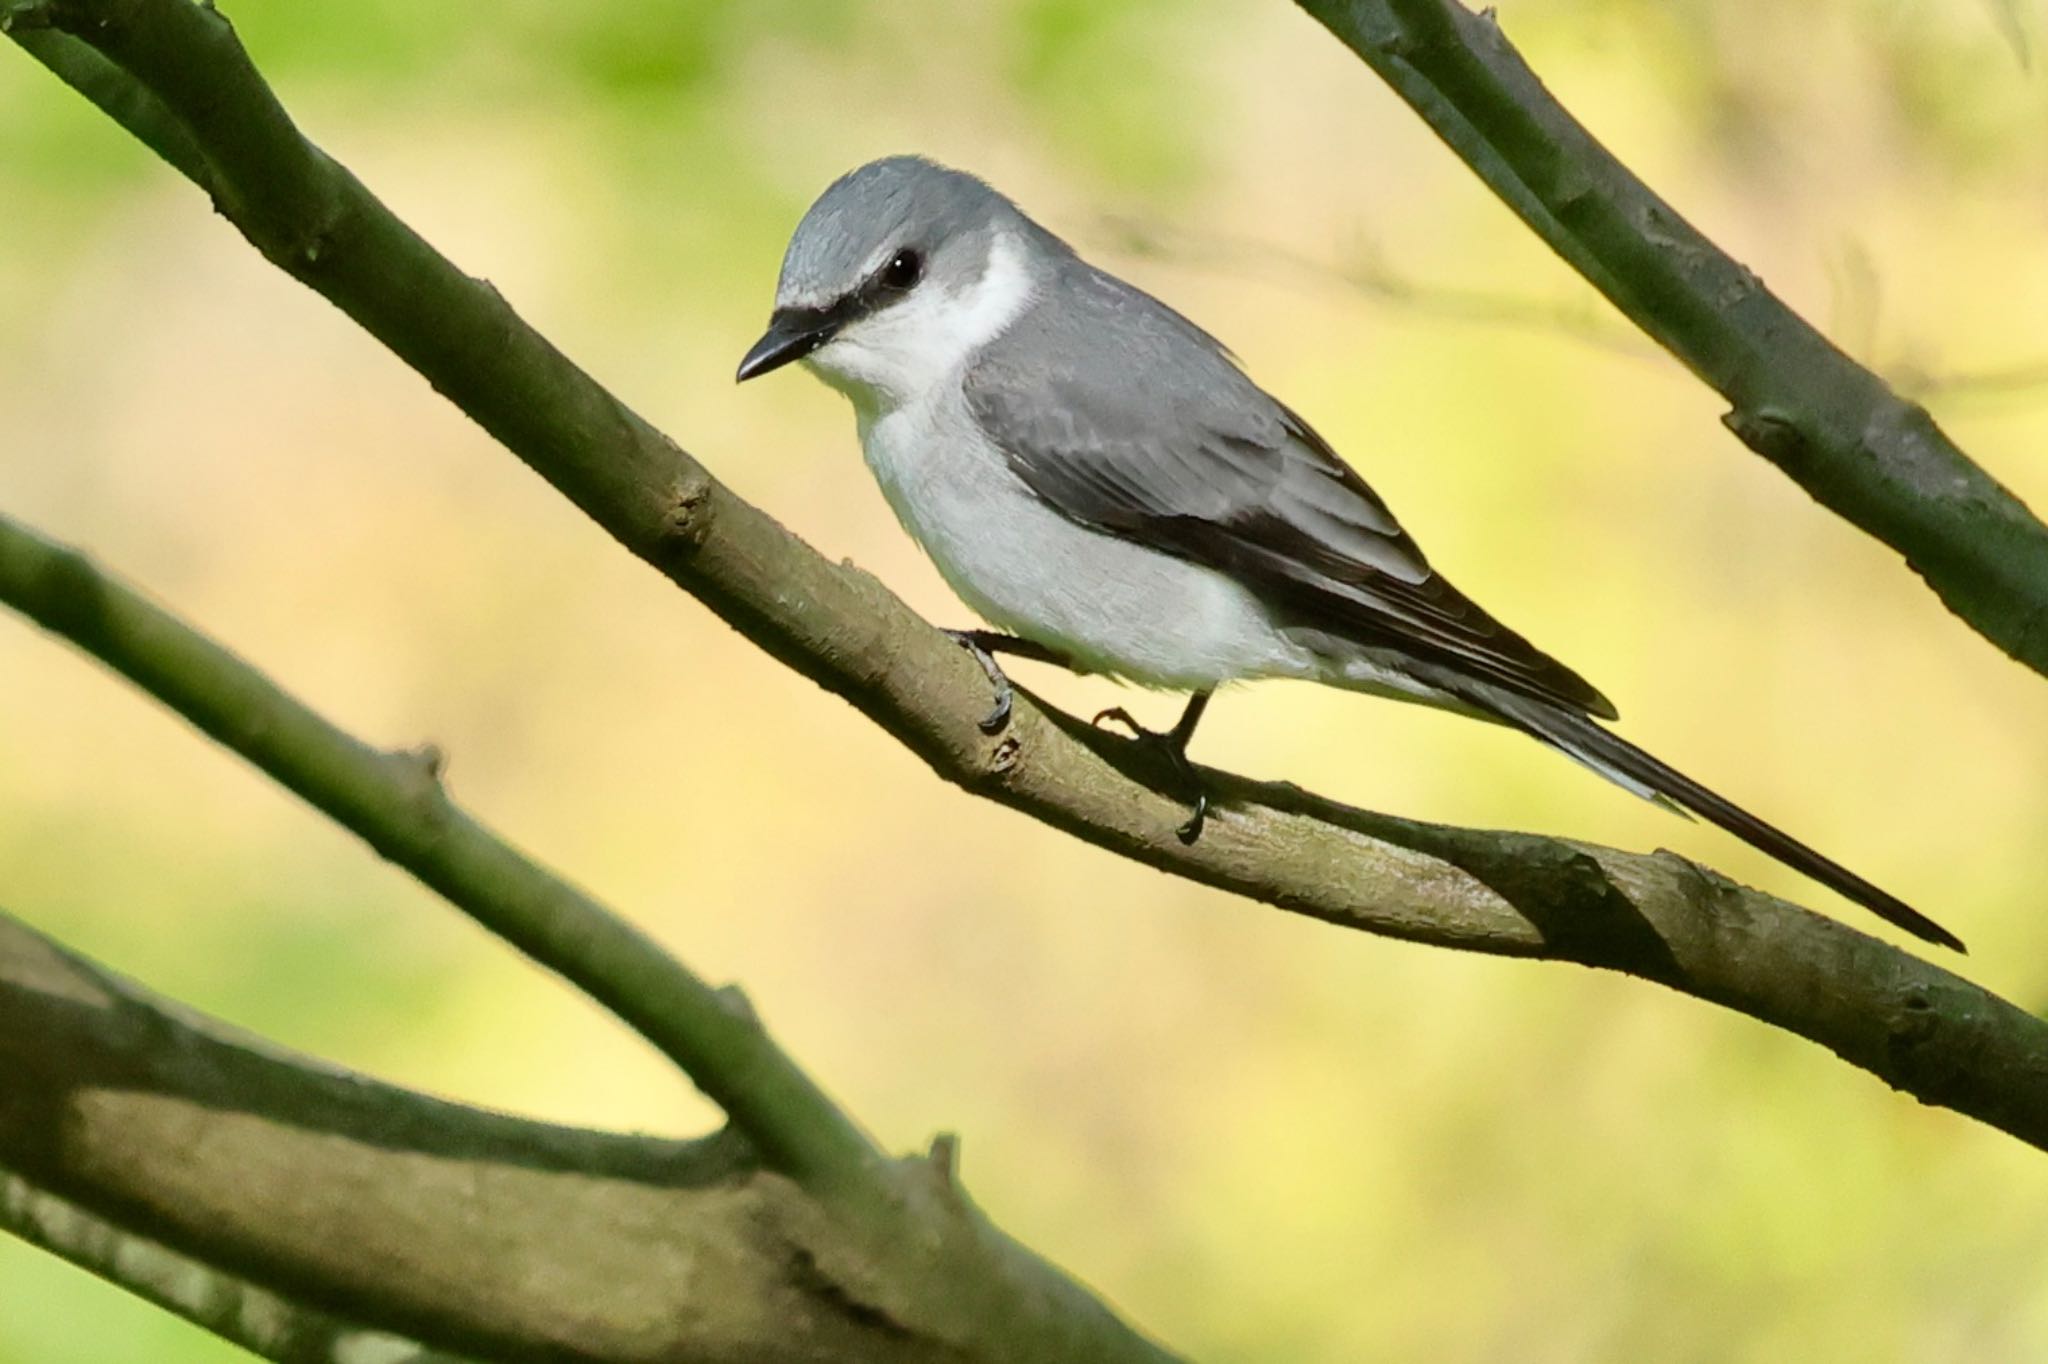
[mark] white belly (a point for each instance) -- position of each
(1109, 605)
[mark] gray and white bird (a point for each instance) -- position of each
(1093, 473)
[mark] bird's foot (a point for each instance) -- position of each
(1172, 744)
(985, 645)
(974, 642)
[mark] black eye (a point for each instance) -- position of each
(904, 269)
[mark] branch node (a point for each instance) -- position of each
(944, 1159)
(734, 1001)
(1743, 283)
(1916, 1020)
(1397, 44)
(428, 762)
(1773, 434)
(1573, 188)
(1004, 755)
(298, 249)
(686, 520)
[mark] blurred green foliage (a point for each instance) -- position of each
(1261, 1138)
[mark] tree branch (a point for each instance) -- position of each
(905, 1240)
(396, 803)
(289, 1179)
(258, 1320)
(1858, 448)
(1912, 1024)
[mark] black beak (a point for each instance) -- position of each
(792, 334)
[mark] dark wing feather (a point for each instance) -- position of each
(1158, 437)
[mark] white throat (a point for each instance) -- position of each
(900, 355)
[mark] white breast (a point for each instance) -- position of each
(1109, 605)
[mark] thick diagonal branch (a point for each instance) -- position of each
(1836, 429)
(270, 1197)
(1918, 1027)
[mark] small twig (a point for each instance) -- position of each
(1365, 271)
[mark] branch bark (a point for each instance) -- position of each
(260, 1321)
(1836, 429)
(1920, 1028)
(323, 1196)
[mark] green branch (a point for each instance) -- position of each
(396, 804)
(109, 88)
(1858, 448)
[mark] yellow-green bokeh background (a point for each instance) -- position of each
(1261, 1138)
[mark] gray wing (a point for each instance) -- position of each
(1128, 418)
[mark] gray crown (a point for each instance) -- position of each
(900, 202)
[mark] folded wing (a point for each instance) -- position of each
(1159, 438)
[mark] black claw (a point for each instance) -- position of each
(1118, 715)
(1173, 743)
(999, 714)
(985, 645)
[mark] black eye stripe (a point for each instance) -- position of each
(871, 295)
(875, 292)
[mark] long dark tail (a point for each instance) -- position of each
(1630, 767)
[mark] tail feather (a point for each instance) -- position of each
(1631, 768)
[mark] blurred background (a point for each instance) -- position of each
(1260, 1137)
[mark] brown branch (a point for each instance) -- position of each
(260, 1321)
(1912, 1024)
(294, 1180)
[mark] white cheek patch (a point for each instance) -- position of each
(986, 308)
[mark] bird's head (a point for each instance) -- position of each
(900, 272)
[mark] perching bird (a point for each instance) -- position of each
(1093, 473)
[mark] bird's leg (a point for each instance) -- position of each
(1174, 743)
(984, 645)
